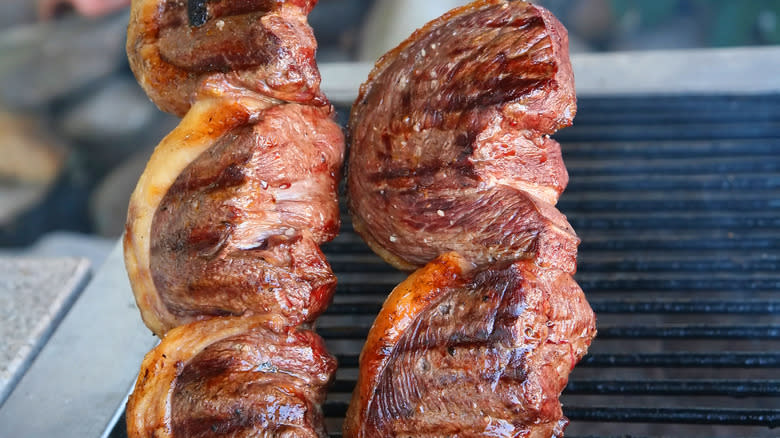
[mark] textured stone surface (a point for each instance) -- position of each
(34, 295)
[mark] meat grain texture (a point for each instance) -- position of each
(222, 243)
(452, 171)
(449, 138)
(461, 351)
(239, 377)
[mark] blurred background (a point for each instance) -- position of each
(76, 130)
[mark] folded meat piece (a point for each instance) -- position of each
(461, 351)
(465, 105)
(485, 225)
(229, 214)
(232, 376)
(179, 49)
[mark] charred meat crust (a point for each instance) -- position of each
(507, 335)
(265, 47)
(197, 381)
(239, 229)
(465, 104)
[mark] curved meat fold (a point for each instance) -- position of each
(486, 225)
(236, 377)
(452, 170)
(462, 351)
(229, 214)
(179, 50)
(223, 234)
(467, 104)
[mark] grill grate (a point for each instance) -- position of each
(677, 200)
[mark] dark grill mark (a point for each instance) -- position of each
(197, 12)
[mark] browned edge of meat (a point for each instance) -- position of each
(263, 46)
(232, 376)
(462, 351)
(240, 228)
(462, 111)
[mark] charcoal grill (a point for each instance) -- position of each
(677, 201)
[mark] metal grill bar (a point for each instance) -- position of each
(682, 360)
(690, 262)
(673, 149)
(669, 221)
(677, 131)
(655, 360)
(617, 306)
(729, 388)
(691, 332)
(744, 417)
(610, 332)
(673, 167)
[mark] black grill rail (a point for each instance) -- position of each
(677, 202)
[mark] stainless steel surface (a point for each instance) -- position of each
(84, 372)
(35, 293)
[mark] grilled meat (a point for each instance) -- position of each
(224, 227)
(451, 164)
(231, 376)
(455, 123)
(180, 50)
(230, 212)
(461, 351)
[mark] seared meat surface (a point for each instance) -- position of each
(460, 111)
(223, 229)
(452, 170)
(239, 377)
(264, 46)
(463, 352)
(237, 229)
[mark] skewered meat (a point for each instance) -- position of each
(230, 211)
(455, 123)
(232, 376)
(180, 49)
(224, 227)
(459, 351)
(451, 158)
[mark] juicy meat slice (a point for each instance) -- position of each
(466, 103)
(238, 377)
(460, 351)
(182, 48)
(230, 212)
(499, 223)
